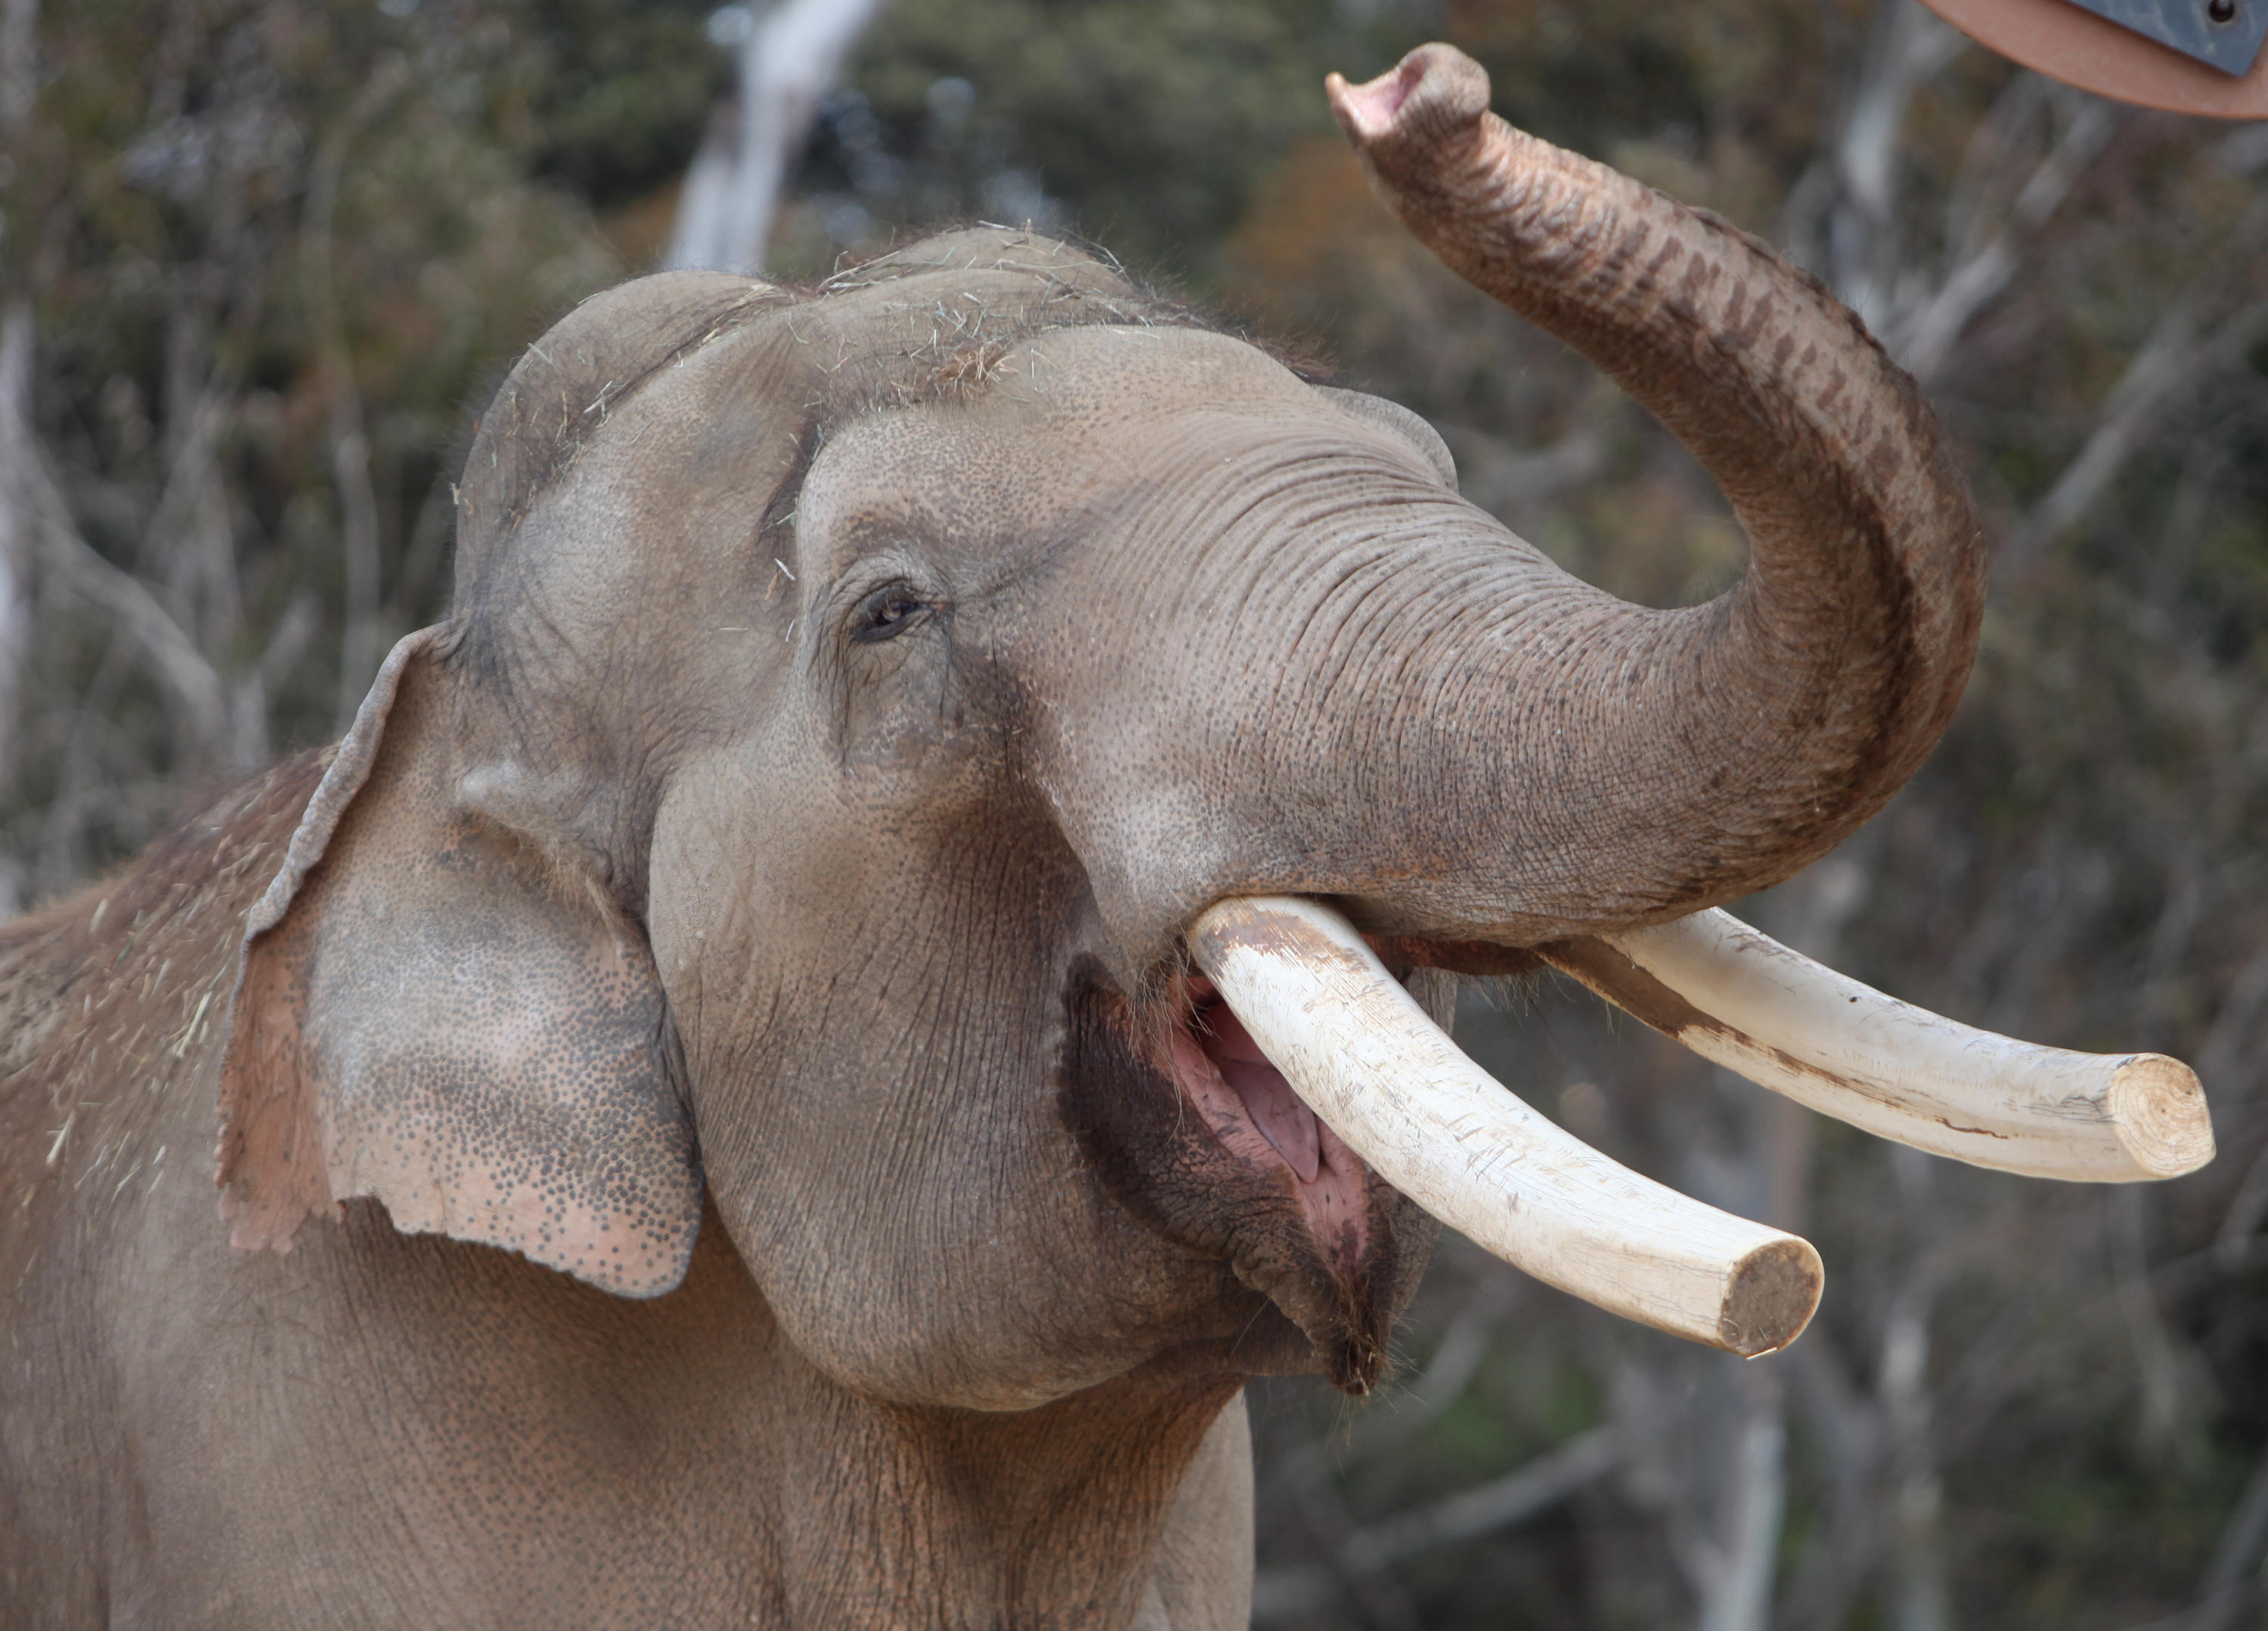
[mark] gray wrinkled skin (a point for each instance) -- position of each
(757, 907)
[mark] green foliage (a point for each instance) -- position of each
(248, 232)
(1148, 124)
(615, 95)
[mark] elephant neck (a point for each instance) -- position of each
(1091, 1511)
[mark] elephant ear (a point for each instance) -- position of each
(431, 1012)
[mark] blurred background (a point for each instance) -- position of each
(262, 260)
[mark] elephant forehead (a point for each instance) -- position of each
(1095, 380)
(1071, 424)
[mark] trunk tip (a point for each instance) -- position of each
(1770, 1296)
(1430, 94)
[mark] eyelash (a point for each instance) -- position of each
(885, 614)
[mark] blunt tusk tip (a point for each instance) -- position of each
(1735, 997)
(2157, 1107)
(1770, 1296)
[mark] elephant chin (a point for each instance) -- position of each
(1197, 1136)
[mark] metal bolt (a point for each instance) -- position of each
(2221, 10)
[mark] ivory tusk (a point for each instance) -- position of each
(1743, 1000)
(1364, 1057)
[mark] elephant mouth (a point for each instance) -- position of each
(1189, 1129)
(1253, 1113)
(1288, 1104)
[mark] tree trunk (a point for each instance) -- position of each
(786, 60)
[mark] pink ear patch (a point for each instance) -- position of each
(271, 1164)
(500, 1073)
(271, 1168)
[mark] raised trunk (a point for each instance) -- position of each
(1666, 761)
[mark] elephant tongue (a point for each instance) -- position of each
(1259, 1117)
(1283, 1119)
(1276, 1109)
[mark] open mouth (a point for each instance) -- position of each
(1257, 1117)
(1189, 1127)
(1193, 1128)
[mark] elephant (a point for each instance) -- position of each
(718, 1121)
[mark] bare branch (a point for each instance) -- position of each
(1908, 45)
(1919, 1598)
(1924, 341)
(2225, 1592)
(2172, 362)
(20, 86)
(19, 63)
(1499, 1505)
(17, 453)
(358, 654)
(191, 681)
(2175, 1382)
(1733, 1569)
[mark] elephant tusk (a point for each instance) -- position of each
(1364, 1057)
(1743, 1000)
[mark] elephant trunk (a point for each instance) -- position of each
(1731, 744)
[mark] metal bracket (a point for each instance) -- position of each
(2225, 34)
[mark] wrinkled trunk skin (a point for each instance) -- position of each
(1627, 765)
(1380, 695)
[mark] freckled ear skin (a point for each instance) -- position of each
(428, 1013)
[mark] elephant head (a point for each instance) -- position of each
(852, 695)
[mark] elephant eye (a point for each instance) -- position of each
(886, 613)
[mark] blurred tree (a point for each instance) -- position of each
(786, 58)
(1147, 126)
(612, 97)
(269, 251)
